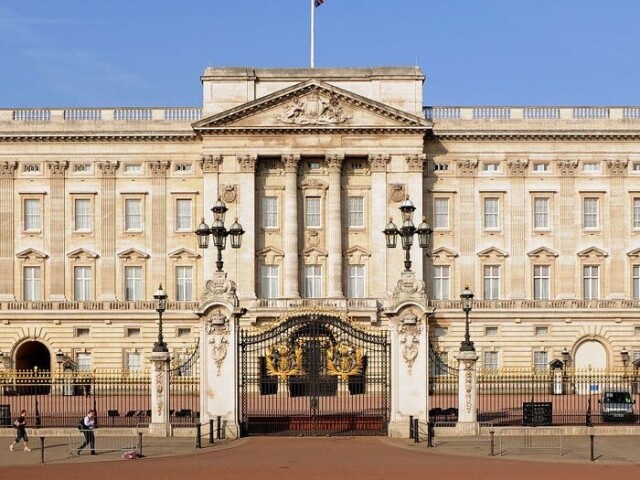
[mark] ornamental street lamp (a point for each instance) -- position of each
(161, 305)
(407, 231)
(219, 232)
(565, 356)
(59, 358)
(467, 304)
(624, 353)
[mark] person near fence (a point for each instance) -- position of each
(20, 424)
(89, 424)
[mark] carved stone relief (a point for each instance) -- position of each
(108, 169)
(467, 167)
(313, 109)
(217, 330)
(334, 162)
(210, 163)
(7, 169)
(409, 331)
(57, 169)
(568, 167)
(379, 162)
(228, 193)
(313, 183)
(220, 288)
(397, 192)
(416, 163)
(159, 367)
(617, 167)
(468, 384)
(159, 168)
(517, 167)
(247, 163)
(290, 163)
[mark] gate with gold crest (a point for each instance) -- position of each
(314, 374)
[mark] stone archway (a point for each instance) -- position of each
(590, 354)
(33, 354)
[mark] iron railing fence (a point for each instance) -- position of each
(184, 392)
(120, 398)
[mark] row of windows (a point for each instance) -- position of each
(491, 282)
(133, 362)
(538, 167)
(313, 212)
(541, 215)
(312, 285)
(85, 168)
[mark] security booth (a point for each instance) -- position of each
(635, 381)
(69, 369)
(557, 369)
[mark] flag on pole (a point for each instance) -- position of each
(317, 3)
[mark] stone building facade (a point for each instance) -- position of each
(536, 209)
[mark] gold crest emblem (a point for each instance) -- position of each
(284, 360)
(344, 360)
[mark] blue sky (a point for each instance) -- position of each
(474, 52)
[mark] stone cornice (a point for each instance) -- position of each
(525, 136)
(101, 137)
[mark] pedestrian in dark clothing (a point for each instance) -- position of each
(89, 423)
(20, 424)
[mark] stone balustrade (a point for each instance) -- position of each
(444, 113)
(538, 304)
(117, 114)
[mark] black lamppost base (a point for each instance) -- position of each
(160, 347)
(467, 347)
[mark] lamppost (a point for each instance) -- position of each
(624, 353)
(59, 359)
(467, 304)
(161, 305)
(219, 232)
(565, 356)
(407, 231)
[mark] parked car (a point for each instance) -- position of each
(617, 405)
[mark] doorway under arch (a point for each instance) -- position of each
(34, 356)
(590, 360)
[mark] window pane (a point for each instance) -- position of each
(270, 212)
(441, 213)
(636, 213)
(541, 282)
(184, 284)
(183, 214)
(636, 282)
(82, 214)
(133, 214)
(134, 361)
(491, 213)
(591, 282)
(82, 284)
(491, 282)
(31, 287)
(312, 212)
(490, 360)
(355, 206)
(133, 283)
(590, 213)
(540, 360)
(84, 361)
(313, 281)
(441, 282)
(32, 214)
(355, 283)
(269, 281)
(541, 212)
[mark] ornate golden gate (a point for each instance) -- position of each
(314, 374)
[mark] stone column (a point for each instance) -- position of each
(517, 170)
(160, 426)
(415, 190)
(7, 222)
(159, 224)
(466, 262)
(334, 227)
(567, 231)
(467, 392)
(290, 221)
(210, 165)
(616, 289)
(57, 230)
(106, 264)
(376, 215)
(246, 264)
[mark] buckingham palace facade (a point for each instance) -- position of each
(535, 209)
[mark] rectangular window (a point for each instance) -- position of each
(132, 283)
(635, 166)
(540, 167)
(184, 332)
(133, 168)
(134, 361)
(82, 215)
(591, 167)
(591, 282)
(441, 281)
(133, 214)
(491, 282)
(491, 331)
(541, 213)
(540, 360)
(32, 284)
(636, 330)
(541, 331)
(132, 332)
(491, 213)
(269, 281)
(636, 282)
(184, 284)
(313, 281)
(183, 167)
(491, 167)
(312, 212)
(82, 284)
(590, 212)
(183, 215)
(490, 360)
(636, 212)
(82, 331)
(355, 208)
(84, 361)
(270, 212)
(355, 281)
(541, 282)
(32, 215)
(440, 167)
(441, 213)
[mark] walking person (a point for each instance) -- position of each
(20, 424)
(89, 424)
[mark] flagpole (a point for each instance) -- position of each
(313, 31)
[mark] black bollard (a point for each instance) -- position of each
(218, 432)
(493, 442)
(140, 444)
(41, 449)
(416, 431)
(211, 431)
(593, 457)
(411, 434)
(430, 434)
(198, 439)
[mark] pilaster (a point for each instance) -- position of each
(467, 391)
(210, 165)
(57, 229)
(567, 230)
(7, 222)
(617, 231)
(107, 233)
(246, 264)
(415, 190)
(467, 169)
(517, 171)
(159, 226)
(160, 388)
(378, 268)
(291, 276)
(334, 226)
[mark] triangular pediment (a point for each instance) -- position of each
(635, 253)
(493, 252)
(593, 252)
(31, 254)
(271, 255)
(542, 252)
(82, 253)
(183, 253)
(313, 104)
(357, 254)
(133, 254)
(442, 253)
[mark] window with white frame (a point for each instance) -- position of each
(269, 281)
(132, 168)
(491, 167)
(355, 281)
(590, 207)
(132, 283)
(491, 282)
(541, 213)
(636, 212)
(541, 282)
(83, 359)
(32, 284)
(184, 209)
(133, 214)
(491, 331)
(636, 282)
(82, 214)
(312, 212)
(490, 360)
(591, 167)
(312, 281)
(440, 167)
(32, 221)
(591, 282)
(441, 282)
(82, 284)
(541, 331)
(270, 212)
(491, 213)
(183, 167)
(355, 210)
(134, 361)
(184, 283)
(541, 167)
(441, 213)
(635, 167)
(540, 360)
